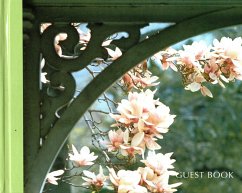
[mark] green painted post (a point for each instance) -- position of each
(1, 100)
(11, 124)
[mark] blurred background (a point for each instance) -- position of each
(206, 134)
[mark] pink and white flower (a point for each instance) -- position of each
(229, 56)
(167, 58)
(91, 179)
(160, 163)
(126, 181)
(158, 120)
(144, 117)
(139, 77)
(52, 176)
(229, 48)
(136, 107)
(192, 53)
(116, 138)
(84, 158)
(156, 183)
(147, 176)
(150, 142)
(160, 185)
(198, 49)
(130, 148)
(146, 81)
(141, 109)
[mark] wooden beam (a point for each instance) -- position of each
(127, 3)
(140, 14)
(138, 11)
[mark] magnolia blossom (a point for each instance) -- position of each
(229, 54)
(229, 48)
(155, 176)
(84, 158)
(141, 180)
(52, 176)
(130, 148)
(155, 182)
(197, 86)
(216, 65)
(160, 163)
(126, 181)
(236, 70)
(221, 65)
(147, 176)
(146, 81)
(198, 49)
(139, 77)
(190, 65)
(146, 118)
(191, 54)
(132, 189)
(116, 138)
(93, 180)
(200, 64)
(160, 185)
(149, 141)
(157, 121)
(136, 108)
(213, 72)
(167, 58)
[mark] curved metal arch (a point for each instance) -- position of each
(105, 79)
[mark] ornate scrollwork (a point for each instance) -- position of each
(57, 94)
(99, 32)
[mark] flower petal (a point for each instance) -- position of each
(137, 139)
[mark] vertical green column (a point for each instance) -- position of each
(11, 124)
(1, 99)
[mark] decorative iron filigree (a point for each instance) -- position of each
(56, 96)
